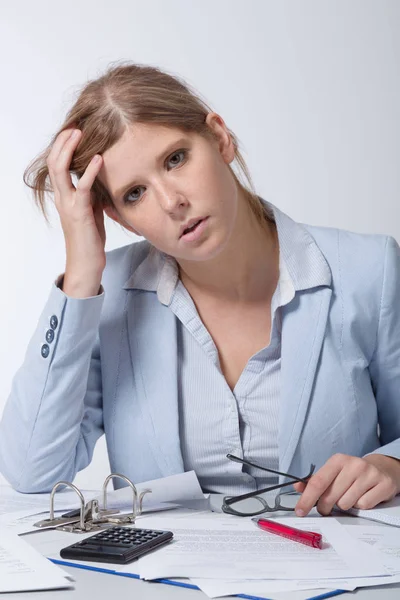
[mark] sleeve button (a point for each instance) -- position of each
(49, 335)
(53, 322)
(45, 350)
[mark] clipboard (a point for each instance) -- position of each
(190, 586)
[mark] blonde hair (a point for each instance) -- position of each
(126, 94)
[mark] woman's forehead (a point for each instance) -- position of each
(149, 138)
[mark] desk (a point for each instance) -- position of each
(90, 585)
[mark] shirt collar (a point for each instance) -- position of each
(302, 264)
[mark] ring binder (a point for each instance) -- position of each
(91, 517)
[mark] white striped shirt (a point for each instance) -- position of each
(213, 419)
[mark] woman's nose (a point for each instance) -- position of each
(172, 201)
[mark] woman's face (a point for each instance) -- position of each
(163, 179)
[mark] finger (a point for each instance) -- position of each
(85, 183)
(344, 481)
(319, 483)
(99, 219)
(364, 482)
(299, 486)
(59, 143)
(61, 169)
(379, 493)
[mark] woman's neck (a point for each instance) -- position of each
(247, 270)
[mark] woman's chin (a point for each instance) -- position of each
(204, 252)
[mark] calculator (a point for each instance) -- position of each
(117, 545)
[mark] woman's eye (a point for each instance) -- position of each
(129, 195)
(131, 198)
(184, 152)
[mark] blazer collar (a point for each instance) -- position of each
(304, 260)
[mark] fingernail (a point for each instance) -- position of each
(74, 134)
(300, 512)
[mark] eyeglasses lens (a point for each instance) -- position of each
(265, 503)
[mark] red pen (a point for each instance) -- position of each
(297, 535)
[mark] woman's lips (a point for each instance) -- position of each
(194, 234)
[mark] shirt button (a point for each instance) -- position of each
(45, 350)
(53, 322)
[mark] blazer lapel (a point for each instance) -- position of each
(304, 322)
(153, 346)
(303, 327)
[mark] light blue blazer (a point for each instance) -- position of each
(112, 367)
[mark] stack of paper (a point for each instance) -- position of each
(227, 555)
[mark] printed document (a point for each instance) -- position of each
(384, 539)
(181, 487)
(250, 553)
(23, 569)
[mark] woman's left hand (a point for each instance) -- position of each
(349, 481)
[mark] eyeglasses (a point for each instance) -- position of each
(251, 504)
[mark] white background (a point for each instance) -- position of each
(310, 87)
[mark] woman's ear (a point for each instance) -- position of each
(222, 135)
(113, 214)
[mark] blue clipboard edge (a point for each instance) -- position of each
(178, 584)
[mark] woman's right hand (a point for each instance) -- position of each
(82, 220)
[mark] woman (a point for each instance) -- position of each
(229, 329)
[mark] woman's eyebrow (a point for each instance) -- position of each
(169, 148)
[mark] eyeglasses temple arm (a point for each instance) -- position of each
(247, 462)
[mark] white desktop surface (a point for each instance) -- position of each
(90, 585)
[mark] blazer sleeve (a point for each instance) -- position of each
(385, 363)
(53, 415)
